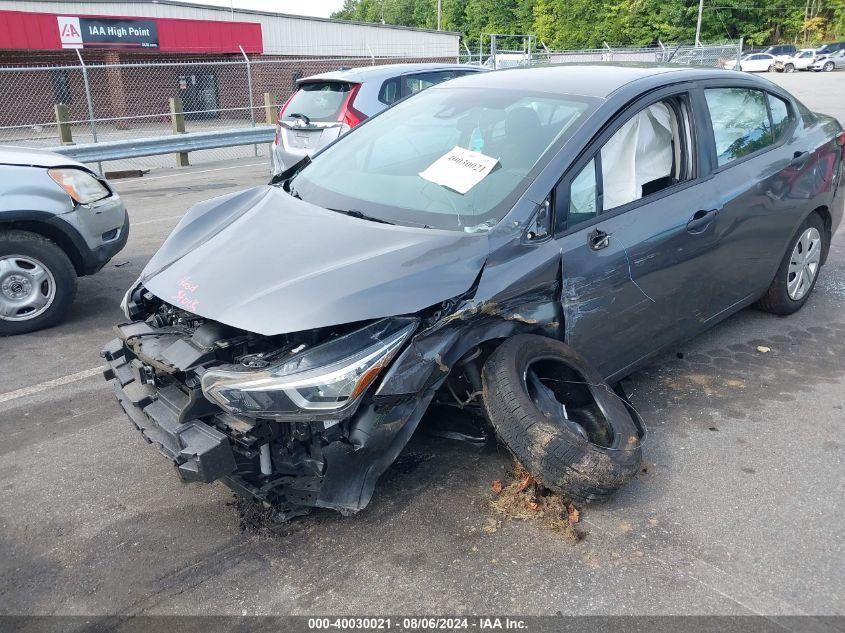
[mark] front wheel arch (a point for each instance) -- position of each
(40, 226)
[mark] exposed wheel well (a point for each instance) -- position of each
(51, 233)
(824, 213)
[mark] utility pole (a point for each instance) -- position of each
(439, 13)
(698, 25)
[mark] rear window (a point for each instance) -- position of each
(318, 100)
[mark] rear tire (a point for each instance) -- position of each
(778, 298)
(33, 248)
(559, 455)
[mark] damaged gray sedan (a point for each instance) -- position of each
(511, 243)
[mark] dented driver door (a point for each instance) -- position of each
(637, 281)
(635, 224)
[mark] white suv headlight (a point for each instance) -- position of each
(79, 184)
(324, 382)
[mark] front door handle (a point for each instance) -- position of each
(598, 240)
(700, 220)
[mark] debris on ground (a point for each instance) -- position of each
(526, 499)
(122, 264)
(261, 518)
(763, 349)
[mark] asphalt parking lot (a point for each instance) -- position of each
(738, 510)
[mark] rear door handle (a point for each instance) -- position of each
(700, 220)
(598, 240)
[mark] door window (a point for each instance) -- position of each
(647, 154)
(781, 118)
(741, 123)
(390, 91)
(583, 196)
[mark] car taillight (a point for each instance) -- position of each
(279, 118)
(348, 115)
(285, 105)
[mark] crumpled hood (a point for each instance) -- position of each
(263, 261)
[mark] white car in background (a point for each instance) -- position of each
(325, 106)
(799, 61)
(828, 63)
(754, 63)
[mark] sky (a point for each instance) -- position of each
(320, 8)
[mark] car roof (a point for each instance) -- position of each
(385, 71)
(586, 79)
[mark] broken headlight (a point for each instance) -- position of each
(322, 382)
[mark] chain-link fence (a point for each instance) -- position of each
(53, 105)
(713, 55)
(47, 106)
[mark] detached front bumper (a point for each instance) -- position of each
(198, 451)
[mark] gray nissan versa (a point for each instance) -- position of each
(512, 243)
(58, 221)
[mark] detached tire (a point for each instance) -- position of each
(37, 283)
(803, 256)
(588, 456)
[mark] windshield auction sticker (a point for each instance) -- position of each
(459, 169)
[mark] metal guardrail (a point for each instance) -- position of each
(170, 144)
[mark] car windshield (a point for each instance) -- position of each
(376, 170)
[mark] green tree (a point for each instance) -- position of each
(589, 23)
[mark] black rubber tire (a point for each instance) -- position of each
(777, 299)
(54, 258)
(556, 456)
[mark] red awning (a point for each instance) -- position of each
(21, 30)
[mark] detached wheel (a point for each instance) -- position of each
(559, 418)
(799, 270)
(828, 67)
(37, 283)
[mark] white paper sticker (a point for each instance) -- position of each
(459, 169)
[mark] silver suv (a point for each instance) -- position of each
(326, 106)
(58, 221)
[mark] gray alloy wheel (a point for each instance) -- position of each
(828, 67)
(790, 68)
(804, 264)
(27, 288)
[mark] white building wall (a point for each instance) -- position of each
(282, 34)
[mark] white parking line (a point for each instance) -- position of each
(44, 386)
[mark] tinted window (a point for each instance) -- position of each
(740, 122)
(646, 155)
(376, 168)
(318, 100)
(780, 116)
(421, 81)
(582, 197)
(390, 91)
